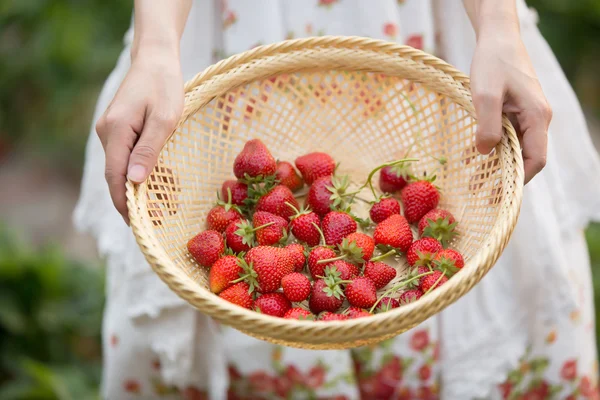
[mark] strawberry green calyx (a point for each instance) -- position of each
(333, 280)
(248, 275)
(227, 205)
(441, 229)
(246, 232)
(257, 187)
(338, 189)
(399, 286)
(446, 265)
(349, 251)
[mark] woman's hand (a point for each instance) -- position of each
(139, 120)
(503, 80)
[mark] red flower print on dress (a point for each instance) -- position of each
(569, 370)
(156, 364)
(387, 380)
(193, 393)
(327, 2)
(230, 19)
(390, 29)
(505, 389)
(308, 29)
(405, 393)
(425, 372)
(571, 397)
(132, 386)
(426, 393)
(261, 382)
(419, 340)
(234, 374)
(114, 340)
(539, 392)
(586, 389)
(295, 376)
(415, 41)
(316, 377)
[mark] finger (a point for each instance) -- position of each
(535, 141)
(144, 156)
(118, 149)
(488, 108)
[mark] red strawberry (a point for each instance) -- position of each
(299, 313)
(238, 294)
(410, 296)
(361, 292)
(329, 316)
(393, 178)
(315, 165)
(438, 224)
(264, 267)
(384, 208)
(418, 271)
(355, 312)
(433, 281)
(223, 272)
(254, 160)
(345, 270)
(287, 260)
(275, 304)
(301, 226)
(286, 175)
(267, 235)
(448, 260)
(239, 192)
(386, 304)
(336, 226)
(422, 251)
(379, 272)
(296, 287)
(206, 247)
(394, 232)
(364, 242)
(419, 198)
(328, 193)
(315, 255)
(324, 297)
(297, 253)
(275, 202)
(220, 216)
(239, 236)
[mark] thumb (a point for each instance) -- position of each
(488, 108)
(157, 129)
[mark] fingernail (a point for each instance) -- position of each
(137, 173)
(126, 220)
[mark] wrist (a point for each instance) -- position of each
(494, 18)
(155, 48)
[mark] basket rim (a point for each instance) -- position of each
(319, 333)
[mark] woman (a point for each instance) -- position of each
(526, 331)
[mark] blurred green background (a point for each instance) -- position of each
(54, 57)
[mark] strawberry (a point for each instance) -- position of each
(275, 202)
(438, 224)
(418, 271)
(342, 269)
(328, 193)
(433, 281)
(238, 294)
(324, 297)
(299, 313)
(394, 232)
(329, 316)
(255, 160)
(315, 255)
(223, 272)
(419, 198)
(264, 266)
(239, 236)
(302, 226)
(379, 272)
(286, 175)
(393, 178)
(361, 241)
(315, 165)
(422, 251)
(287, 260)
(296, 287)
(448, 260)
(384, 208)
(270, 228)
(336, 226)
(386, 304)
(222, 215)
(361, 292)
(355, 312)
(239, 192)
(275, 304)
(296, 251)
(410, 296)
(206, 247)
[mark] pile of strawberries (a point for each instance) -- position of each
(320, 261)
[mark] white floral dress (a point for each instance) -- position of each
(525, 332)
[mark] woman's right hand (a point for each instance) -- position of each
(138, 121)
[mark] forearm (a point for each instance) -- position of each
(495, 17)
(159, 25)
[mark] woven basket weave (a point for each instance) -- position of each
(365, 102)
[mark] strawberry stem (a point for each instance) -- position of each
(292, 207)
(436, 282)
(340, 257)
(398, 286)
(384, 255)
(388, 164)
(323, 243)
(261, 227)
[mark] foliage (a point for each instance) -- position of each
(50, 318)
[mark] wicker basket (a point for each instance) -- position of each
(365, 102)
